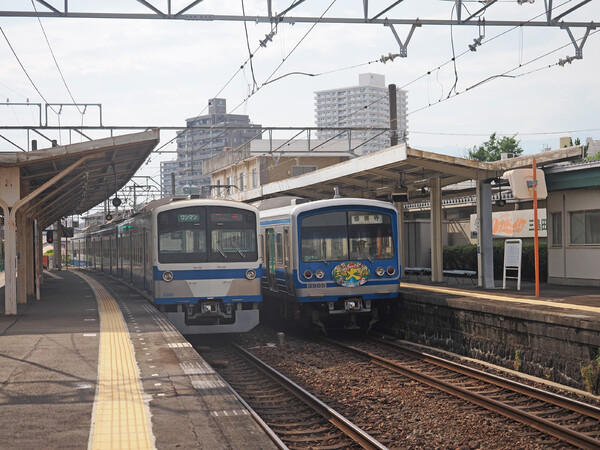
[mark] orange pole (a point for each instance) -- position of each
(535, 231)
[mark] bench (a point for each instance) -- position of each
(418, 272)
(462, 274)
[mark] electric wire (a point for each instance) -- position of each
(54, 59)
(453, 59)
(23, 67)
(250, 55)
(273, 29)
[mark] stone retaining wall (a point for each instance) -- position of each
(551, 343)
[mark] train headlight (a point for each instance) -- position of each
(251, 274)
(308, 274)
(379, 271)
(319, 274)
(391, 271)
(167, 276)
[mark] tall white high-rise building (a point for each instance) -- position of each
(364, 106)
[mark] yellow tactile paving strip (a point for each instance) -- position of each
(504, 298)
(121, 419)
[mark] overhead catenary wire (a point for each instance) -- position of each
(55, 61)
(270, 79)
(254, 91)
(23, 67)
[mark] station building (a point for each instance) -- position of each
(260, 162)
(574, 223)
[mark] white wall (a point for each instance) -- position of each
(572, 264)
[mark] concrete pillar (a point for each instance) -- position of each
(21, 258)
(39, 255)
(9, 195)
(401, 237)
(485, 248)
(57, 246)
(10, 263)
(30, 255)
(437, 263)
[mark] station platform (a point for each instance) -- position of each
(552, 298)
(93, 365)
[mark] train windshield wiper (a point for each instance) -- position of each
(366, 256)
(239, 250)
(322, 260)
(221, 250)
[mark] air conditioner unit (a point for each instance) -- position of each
(400, 195)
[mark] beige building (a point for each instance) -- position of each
(260, 162)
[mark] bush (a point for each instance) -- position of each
(464, 257)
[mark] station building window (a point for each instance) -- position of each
(556, 229)
(585, 227)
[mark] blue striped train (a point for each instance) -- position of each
(330, 263)
(197, 260)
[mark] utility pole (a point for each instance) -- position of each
(393, 115)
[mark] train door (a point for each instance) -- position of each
(131, 253)
(148, 275)
(270, 258)
(287, 250)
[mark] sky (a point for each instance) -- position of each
(159, 72)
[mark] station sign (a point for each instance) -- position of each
(514, 224)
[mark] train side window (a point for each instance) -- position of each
(270, 250)
(279, 242)
(286, 245)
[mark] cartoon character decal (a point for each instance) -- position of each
(350, 274)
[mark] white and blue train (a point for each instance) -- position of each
(197, 260)
(330, 262)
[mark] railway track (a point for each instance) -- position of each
(569, 420)
(298, 418)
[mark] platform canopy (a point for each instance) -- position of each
(71, 179)
(379, 174)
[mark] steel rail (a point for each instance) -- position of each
(261, 423)
(546, 426)
(343, 424)
(530, 391)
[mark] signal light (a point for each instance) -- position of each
(49, 236)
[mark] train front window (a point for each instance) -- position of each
(182, 236)
(207, 234)
(370, 235)
(324, 237)
(232, 234)
(347, 235)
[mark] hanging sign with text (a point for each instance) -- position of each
(514, 224)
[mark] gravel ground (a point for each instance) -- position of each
(401, 413)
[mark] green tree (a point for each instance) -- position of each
(492, 149)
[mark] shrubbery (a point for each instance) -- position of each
(464, 257)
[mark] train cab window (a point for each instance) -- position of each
(324, 237)
(370, 235)
(232, 234)
(342, 235)
(217, 234)
(182, 236)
